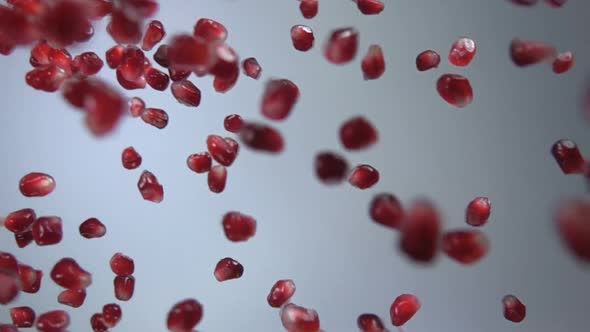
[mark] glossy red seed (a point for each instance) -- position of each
(427, 60)
(22, 317)
(122, 265)
(92, 228)
(387, 210)
(370, 323)
(238, 227)
(568, 157)
(252, 68)
(403, 308)
(462, 52)
(563, 62)
(455, 90)
(363, 177)
(130, 158)
(8, 262)
(114, 56)
(184, 316)
(40, 54)
(233, 123)
(373, 64)
(514, 310)
(65, 22)
(573, 225)
(224, 84)
(261, 137)
(30, 279)
(217, 178)
(223, 150)
(155, 117)
(466, 247)
(47, 231)
(478, 211)
(556, 3)
(20, 221)
(210, 30)
(87, 63)
(191, 53)
(149, 187)
(9, 287)
(309, 8)
(136, 106)
(186, 93)
(132, 65)
(23, 239)
(47, 78)
(342, 46)
(358, 133)
(228, 269)
(280, 293)
(36, 184)
(178, 75)
(98, 324)
(302, 37)
(299, 319)
(153, 35)
(199, 162)
(72, 297)
(111, 314)
(124, 288)
(69, 275)
(157, 79)
(53, 321)
(62, 59)
(330, 168)
(420, 232)
(370, 7)
(123, 29)
(526, 53)
(227, 62)
(279, 98)
(139, 83)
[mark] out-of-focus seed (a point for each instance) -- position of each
(373, 64)
(420, 232)
(299, 319)
(386, 209)
(184, 316)
(466, 246)
(563, 62)
(358, 133)
(526, 53)
(238, 227)
(342, 46)
(455, 90)
(330, 168)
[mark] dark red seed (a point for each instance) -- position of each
(101, 8)
(191, 53)
(122, 265)
(199, 162)
(514, 310)
(261, 137)
(373, 64)
(153, 35)
(47, 78)
(556, 3)
(9, 287)
(186, 93)
(223, 84)
(403, 308)
(20, 221)
(330, 168)
(217, 178)
(47, 231)
(568, 157)
(97, 323)
(114, 56)
(157, 79)
(238, 227)
(223, 150)
(8, 328)
(573, 225)
(92, 228)
(210, 30)
(299, 319)
(228, 269)
(252, 68)
(370, 7)
(111, 314)
(227, 62)
(233, 123)
(136, 106)
(420, 232)
(87, 63)
(184, 316)
(161, 56)
(23, 239)
(280, 293)
(130, 158)
(30, 279)
(72, 297)
(65, 22)
(8, 262)
(478, 211)
(370, 323)
(455, 90)
(302, 37)
(526, 53)
(123, 29)
(466, 247)
(149, 187)
(427, 60)
(53, 321)
(358, 133)
(6, 48)
(386, 209)
(139, 83)
(363, 177)
(279, 99)
(342, 46)
(124, 288)
(22, 317)
(178, 75)
(155, 117)
(462, 52)
(17, 27)
(69, 275)
(309, 8)
(563, 62)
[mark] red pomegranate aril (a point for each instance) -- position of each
(8, 262)
(555, 3)
(124, 30)
(279, 99)
(573, 225)
(217, 178)
(363, 177)
(462, 52)
(427, 60)
(157, 79)
(342, 46)
(387, 210)
(69, 275)
(178, 75)
(72, 297)
(155, 117)
(149, 187)
(330, 168)
(124, 288)
(30, 279)
(466, 247)
(153, 35)
(420, 232)
(122, 265)
(47, 231)
(568, 157)
(370, 7)
(373, 64)
(370, 323)
(563, 62)
(139, 83)
(111, 314)
(224, 84)
(238, 227)
(455, 90)
(227, 62)
(514, 310)
(65, 22)
(22, 317)
(30, 7)
(228, 269)
(53, 321)
(40, 54)
(302, 37)
(104, 107)
(62, 59)
(186, 93)
(252, 68)
(280, 293)
(358, 133)
(261, 137)
(191, 53)
(132, 65)
(223, 150)
(184, 316)
(403, 308)
(130, 158)
(210, 30)
(47, 78)
(299, 319)
(23, 239)
(92, 228)
(233, 123)
(20, 221)
(526, 53)
(6, 48)
(114, 56)
(199, 162)
(87, 63)
(309, 8)
(478, 211)
(98, 324)
(136, 106)
(101, 8)
(9, 287)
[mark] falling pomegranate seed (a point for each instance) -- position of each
(46, 78)
(53, 321)
(217, 178)
(370, 323)
(573, 224)
(342, 46)
(373, 64)
(17, 27)
(132, 65)
(130, 158)
(31, 7)
(155, 117)
(69, 275)
(358, 133)
(210, 30)
(22, 317)
(308, 8)
(514, 310)
(462, 52)
(123, 29)
(178, 75)
(526, 53)
(8, 262)
(156, 79)
(92, 228)
(478, 211)
(20, 221)
(161, 56)
(330, 168)
(191, 53)
(403, 308)
(30, 279)
(65, 22)
(568, 156)
(124, 288)
(363, 177)
(111, 314)
(279, 99)
(227, 62)
(114, 56)
(87, 64)
(23, 239)
(261, 137)
(238, 227)
(72, 297)
(97, 323)
(9, 287)
(386, 209)
(252, 68)
(122, 265)
(370, 7)
(299, 319)
(466, 247)
(563, 62)
(302, 37)
(149, 187)
(222, 149)
(186, 93)
(228, 269)
(426, 60)
(233, 123)
(280, 293)
(153, 35)
(184, 316)
(556, 3)
(224, 84)
(455, 90)
(40, 54)
(47, 231)
(199, 162)
(420, 232)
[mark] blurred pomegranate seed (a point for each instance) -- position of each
(455, 90)
(157, 79)
(40, 54)
(161, 56)
(69, 275)
(47, 231)
(302, 37)
(149, 187)
(53, 321)
(573, 224)
(308, 8)
(92, 228)
(514, 310)
(100, 8)
(227, 62)
(280, 293)
(373, 64)
(65, 22)
(420, 232)
(130, 158)
(186, 93)
(153, 35)
(23, 239)
(261, 137)
(330, 168)
(20, 221)
(30, 279)
(238, 227)
(525, 52)
(8, 262)
(124, 30)
(139, 9)
(114, 56)
(22, 317)
(563, 62)
(228, 269)
(191, 53)
(136, 106)
(370, 323)
(342, 46)
(184, 316)
(252, 68)
(210, 30)
(370, 7)
(358, 133)
(299, 319)
(462, 52)
(427, 60)
(47, 78)
(72, 297)
(111, 314)
(6, 48)
(87, 64)
(9, 287)
(30, 7)
(386, 209)
(233, 123)
(478, 211)
(217, 178)
(224, 84)
(8, 328)
(97, 323)
(222, 150)
(124, 288)
(199, 162)
(155, 117)
(363, 177)
(524, 2)
(568, 157)
(466, 247)
(16, 27)
(122, 265)
(556, 3)
(178, 75)
(279, 98)
(403, 308)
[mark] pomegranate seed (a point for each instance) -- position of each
(280, 293)
(8, 262)
(130, 158)
(524, 2)
(563, 63)
(87, 63)
(342, 46)
(228, 269)
(178, 75)
(466, 247)
(92, 228)
(17, 27)
(23, 239)
(157, 79)
(370, 323)
(238, 227)
(153, 35)
(252, 68)
(455, 90)
(403, 308)
(573, 224)
(568, 156)
(387, 210)
(217, 178)
(30, 7)
(139, 9)
(6, 48)
(114, 56)
(101, 8)
(136, 106)
(556, 3)
(97, 323)
(124, 288)
(9, 287)
(280, 96)
(184, 316)
(111, 314)
(124, 30)
(514, 310)
(53, 321)
(233, 123)
(72, 297)
(8, 328)
(46, 78)
(122, 265)
(330, 168)
(358, 133)
(62, 59)
(149, 187)
(261, 137)
(69, 275)
(47, 231)
(370, 7)
(30, 279)
(210, 30)
(223, 84)
(227, 62)
(132, 66)
(223, 150)
(420, 232)
(161, 56)
(302, 37)
(191, 53)
(65, 22)
(462, 52)
(20, 221)
(186, 93)
(478, 211)
(22, 316)
(299, 319)
(139, 83)
(363, 177)
(427, 60)
(526, 53)
(155, 117)
(104, 107)
(309, 8)
(199, 162)
(373, 64)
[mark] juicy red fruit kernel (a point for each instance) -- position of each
(199, 162)
(155, 117)
(53, 321)
(217, 178)
(370, 7)
(186, 93)
(466, 247)
(114, 56)
(526, 53)
(363, 177)
(30, 279)
(280, 293)
(426, 60)
(9, 287)
(20, 221)
(153, 35)
(563, 62)
(370, 323)
(72, 297)
(69, 275)
(403, 308)
(573, 225)
(514, 310)
(478, 211)
(65, 22)
(342, 46)
(22, 316)
(124, 30)
(233, 123)
(373, 64)
(210, 30)
(161, 56)
(330, 168)
(358, 133)
(302, 37)
(299, 319)
(261, 137)
(184, 316)
(8, 262)
(97, 323)
(36, 184)
(386, 209)
(92, 228)
(309, 8)
(178, 75)
(455, 90)
(462, 52)
(156, 79)
(124, 287)
(87, 64)
(23, 239)
(149, 187)
(47, 231)
(228, 269)
(279, 99)
(132, 65)
(224, 84)
(223, 150)
(47, 78)
(568, 157)
(122, 265)
(420, 232)
(111, 314)
(252, 68)
(238, 227)
(130, 158)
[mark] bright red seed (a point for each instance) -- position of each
(330, 168)
(526, 53)
(22, 316)
(199, 162)
(224, 84)
(280, 293)
(92, 228)
(363, 177)
(427, 60)
(358, 133)
(563, 62)
(370, 323)
(87, 64)
(114, 56)
(122, 265)
(342, 46)
(23, 239)
(161, 56)
(252, 68)
(53, 321)
(420, 232)
(111, 314)
(8, 262)
(228, 269)
(97, 323)
(370, 7)
(514, 310)
(279, 99)
(130, 158)
(9, 287)
(238, 227)
(309, 8)
(155, 117)
(186, 93)
(47, 231)
(299, 319)
(478, 211)
(261, 137)
(403, 308)
(386, 209)
(132, 65)
(573, 224)
(72, 297)
(124, 288)
(156, 79)
(373, 64)
(556, 3)
(210, 30)
(178, 75)
(20, 221)
(69, 275)
(191, 53)
(466, 247)
(302, 37)
(153, 35)
(47, 78)
(30, 279)
(233, 123)
(123, 29)
(184, 316)
(455, 90)
(568, 157)
(462, 52)
(223, 150)
(217, 178)
(149, 187)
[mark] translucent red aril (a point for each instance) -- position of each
(238, 227)
(373, 64)
(191, 53)
(47, 231)
(23, 239)
(556, 3)
(462, 52)
(568, 156)
(47, 78)
(342, 46)
(525, 52)
(22, 316)
(184, 316)
(65, 22)
(30, 7)
(199, 162)
(217, 178)
(370, 7)
(358, 133)
(420, 232)
(363, 177)
(124, 30)
(228, 269)
(224, 84)
(563, 62)
(153, 35)
(156, 79)
(233, 123)
(299, 319)
(53, 321)
(124, 288)
(403, 308)
(20, 221)
(309, 8)
(92, 228)
(97, 323)
(370, 323)
(302, 37)
(210, 30)
(427, 60)
(40, 54)
(8, 262)
(111, 314)
(178, 75)
(261, 137)
(227, 62)
(9, 287)
(114, 56)
(386, 209)
(466, 247)
(222, 150)
(149, 187)
(252, 68)
(330, 168)
(478, 211)
(87, 64)
(514, 310)
(155, 117)
(279, 99)
(573, 224)
(186, 93)
(69, 275)
(280, 293)
(455, 90)
(122, 265)
(17, 27)
(132, 65)
(30, 279)
(130, 158)
(72, 297)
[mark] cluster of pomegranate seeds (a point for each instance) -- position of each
(238, 227)
(426, 60)
(420, 231)
(478, 211)
(342, 46)
(573, 225)
(184, 316)
(370, 7)
(373, 64)
(149, 187)
(47, 231)
(130, 158)
(217, 178)
(403, 308)
(279, 98)
(370, 323)
(186, 93)
(462, 52)
(330, 167)
(199, 162)
(514, 310)
(252, 68)
(72, 297)
(358, 133)
(387, 210)
(526, 53)
(261, 137)
(280, 293)
(92, 228)
(309, 8)
(363, 177)
(69, 275)
(22, 317)
(455, 90)
(36, 185)
(563, 62)
(299, 319)
(228, 269)
(466, 246)
(568, 157)
(53, 321)
(302, 37)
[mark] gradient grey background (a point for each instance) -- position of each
(342, 263)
